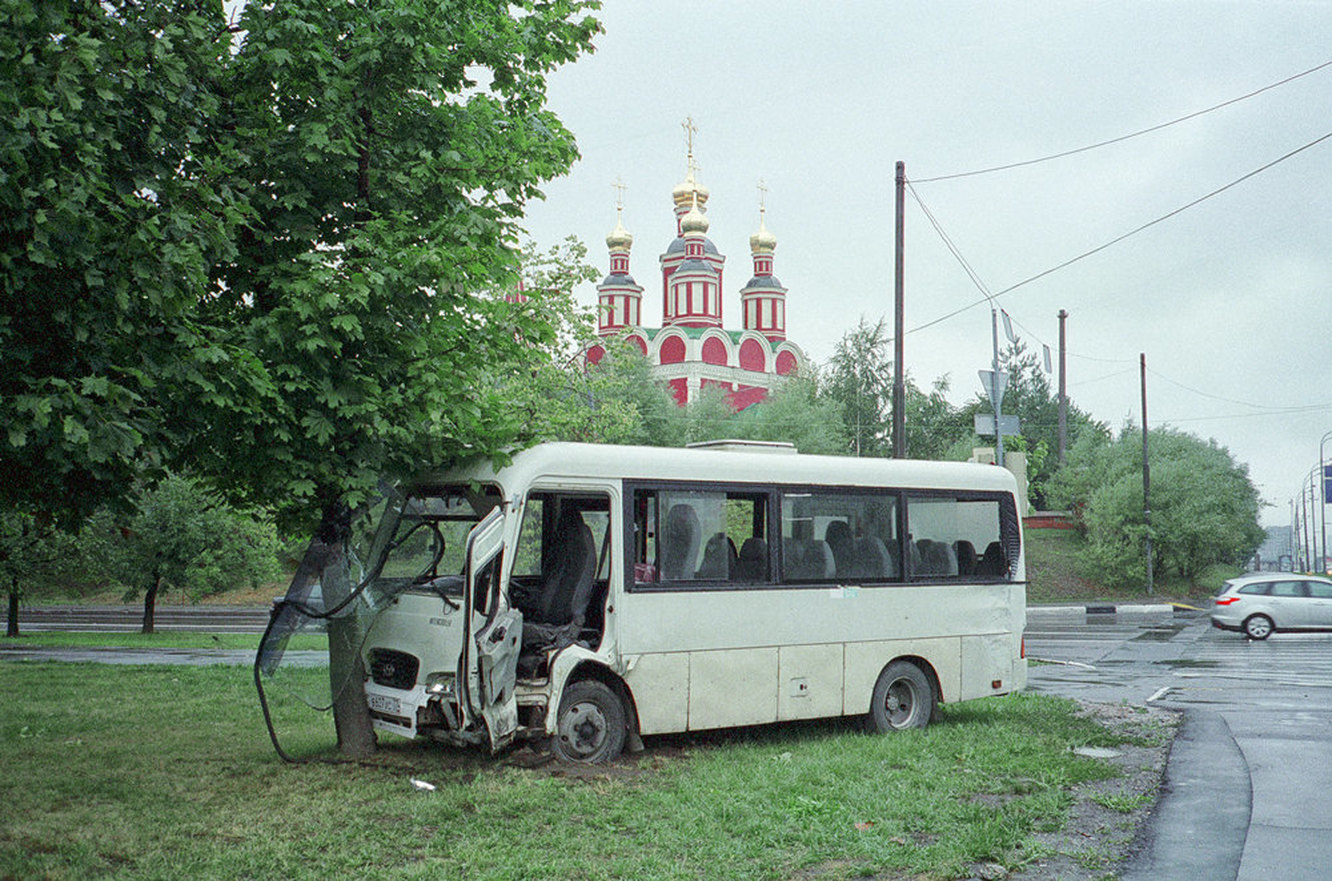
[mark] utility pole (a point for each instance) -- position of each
(899, 329)
(1304, 532)
(1309, 521)
(1146, 477)
(1063, 388)
(996, 390)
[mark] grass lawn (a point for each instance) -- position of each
(167, 772)
(1055, 575)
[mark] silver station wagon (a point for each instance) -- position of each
(1262, 603)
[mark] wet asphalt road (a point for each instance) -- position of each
(1248, 792)
(183, 657)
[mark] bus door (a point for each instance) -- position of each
(490, 651)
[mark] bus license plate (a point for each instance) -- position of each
(381, 703)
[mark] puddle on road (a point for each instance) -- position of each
(1163, 633)
(1191, 664)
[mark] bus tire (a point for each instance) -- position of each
(902, 698)
(590, 724)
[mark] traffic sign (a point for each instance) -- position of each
(994, 390)
(985, 424)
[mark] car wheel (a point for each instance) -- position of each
(902, 698)
(590, 725)
(1258, 627)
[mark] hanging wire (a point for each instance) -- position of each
(1304, 408)
(1129, 136)
(975, 276)
(1118, 239)
(948, 243)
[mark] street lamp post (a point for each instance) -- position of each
(1322, 496)
(1306, 491)
(1309, 489)
(1297, 527)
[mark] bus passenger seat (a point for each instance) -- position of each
(752, 564)
(993, 563)
(894, 560)
(947, 558)
(719, 558)
(873, 559)
(843, 547)
(937, 558)
(966, 557)
(679, 543)
(814, 562)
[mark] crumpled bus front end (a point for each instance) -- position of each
(411, 658)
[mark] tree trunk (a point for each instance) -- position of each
(12, 627)
(351, 714)
(150, 604)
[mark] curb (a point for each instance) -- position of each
(1106, 611)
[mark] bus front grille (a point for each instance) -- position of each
(393, 669)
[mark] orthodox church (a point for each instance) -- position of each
(692, 349)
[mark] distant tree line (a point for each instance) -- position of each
(179, 535)
(1205, 507)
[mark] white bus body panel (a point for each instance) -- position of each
(710, 658)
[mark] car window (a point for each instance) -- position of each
(1289, 589)
(1320, 590)
(1258, 588)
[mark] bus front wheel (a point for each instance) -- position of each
(902, 698)
(590, 726)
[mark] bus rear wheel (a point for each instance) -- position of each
(590, 724)
(902, 698)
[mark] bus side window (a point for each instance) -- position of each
(847, 536)
(646, 542)
(958, 538)
(747, 537)
(704, 536)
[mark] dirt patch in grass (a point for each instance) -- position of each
(1106, 815)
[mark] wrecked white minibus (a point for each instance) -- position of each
(594, 594)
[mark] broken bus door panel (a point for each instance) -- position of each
(490, 654)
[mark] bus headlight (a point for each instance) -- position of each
(441, 685)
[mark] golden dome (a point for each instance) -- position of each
(763, 241)
(687, 189)
(620, 239)
(694, 221)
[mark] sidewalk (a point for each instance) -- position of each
(1065, 613)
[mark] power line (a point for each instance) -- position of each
(1293, 411)
(1121, 138)
(1127, 370)
(1083, 357)
(975, 276)
(1118, 239)
(1264, 407)
(948, 242)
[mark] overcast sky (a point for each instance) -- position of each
(1230, 299)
